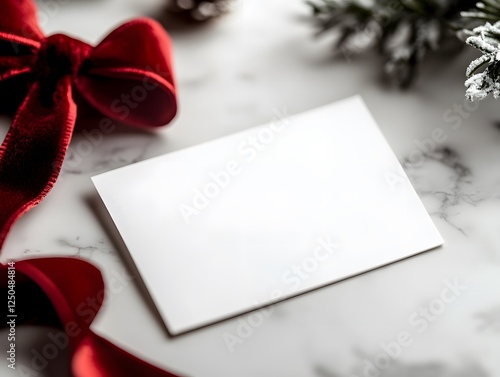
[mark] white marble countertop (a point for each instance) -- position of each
(232, 74)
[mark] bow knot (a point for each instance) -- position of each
(58, 56)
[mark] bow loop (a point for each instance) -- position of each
(20, 38)
(129, 78)
(136, 45)
(15, 58)
(18, 23)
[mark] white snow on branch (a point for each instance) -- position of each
(485, 38)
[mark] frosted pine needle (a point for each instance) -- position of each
(485, 38)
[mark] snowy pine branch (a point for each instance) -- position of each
(403, 31)
(485, 38)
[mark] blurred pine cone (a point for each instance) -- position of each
(197, 10)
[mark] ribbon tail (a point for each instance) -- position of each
(75, 292)
(32, 153)
(98, 357)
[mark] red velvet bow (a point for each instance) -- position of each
(133, 61)
(49, 75)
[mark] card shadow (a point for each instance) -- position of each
(103, 217)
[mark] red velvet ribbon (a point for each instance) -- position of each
(50, 76)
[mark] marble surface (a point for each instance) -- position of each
(234, 74)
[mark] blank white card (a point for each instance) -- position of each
(249, 219)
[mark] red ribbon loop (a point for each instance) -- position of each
(76, 305)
